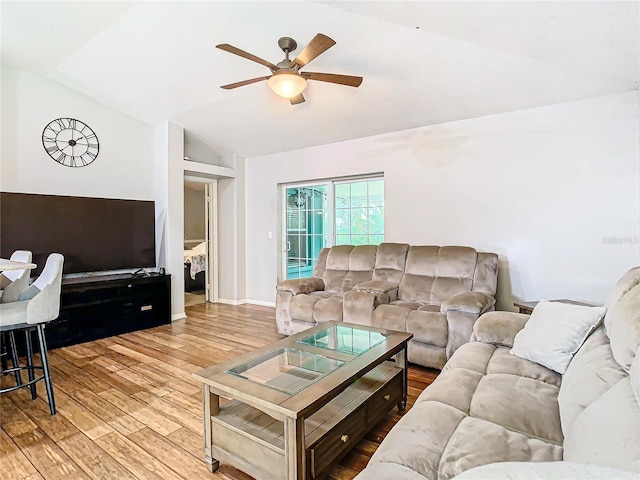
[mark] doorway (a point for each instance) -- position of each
(195, 243)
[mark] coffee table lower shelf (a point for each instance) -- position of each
(252, 441)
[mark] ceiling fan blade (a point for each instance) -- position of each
(348, 80)
(236, 51)
(319, 44)
(296, 100)
(244, 82)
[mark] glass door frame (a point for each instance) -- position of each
(330, 183)
(283, 220)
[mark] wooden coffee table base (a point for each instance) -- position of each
(256, 443)
(299, 404)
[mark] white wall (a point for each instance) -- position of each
(554, 190)
(198, 151)
(168, 143)
(194, 214)
(123, 169)
(137, 161)
(231, 233)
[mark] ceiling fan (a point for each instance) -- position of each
(286, 79)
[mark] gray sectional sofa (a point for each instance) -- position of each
(436, 293)
(488, 407)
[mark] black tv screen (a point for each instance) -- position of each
(93, 234)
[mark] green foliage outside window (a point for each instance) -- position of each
(360, 212)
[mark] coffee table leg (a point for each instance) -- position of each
(401, 361)
(294, 452)
(210, 407)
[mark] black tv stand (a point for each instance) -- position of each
(96, 307)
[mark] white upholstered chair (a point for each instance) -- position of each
(13, 282)
(37, 305)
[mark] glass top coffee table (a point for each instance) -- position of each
(303, 402)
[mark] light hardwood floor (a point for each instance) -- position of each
(128, 407)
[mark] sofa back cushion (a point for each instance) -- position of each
(607, 432)
(485, 278)
(336, 268)
(599, 405)
(590, 374)
(433, 274)
(361, 264)
(390, 262)
(628, 281)
(321, 263)
(623, 328)
(347, 266)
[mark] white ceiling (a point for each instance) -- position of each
(423, 62)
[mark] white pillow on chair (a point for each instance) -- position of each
(554, 333)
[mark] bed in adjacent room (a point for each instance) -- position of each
(195, 264)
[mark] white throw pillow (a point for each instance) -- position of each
(554, 333)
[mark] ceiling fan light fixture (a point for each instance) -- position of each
(287, 84)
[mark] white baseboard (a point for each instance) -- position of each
(261, 303)
(231, 302)
(178, 316)
(243, 301)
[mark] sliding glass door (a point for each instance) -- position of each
(306, 227)
(335, 212)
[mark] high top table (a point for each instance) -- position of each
(13, 265)
(301, 403)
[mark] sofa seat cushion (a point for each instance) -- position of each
(328, 309)
(485, 358)
(425, 321)
(519, 404)
(393, 471)
(439, 441)
(316, 307)
(392, 316)
(407, 305)
(429, 308)
(486, 406)
(519, 395)
(428, 327)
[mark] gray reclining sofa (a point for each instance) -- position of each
(436, 293)
(492, 415)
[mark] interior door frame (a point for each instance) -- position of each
(211, 235)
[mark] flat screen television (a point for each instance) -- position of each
(93, 234)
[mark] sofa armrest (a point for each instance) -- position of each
(498, 328)
(358, 307)
(469, 302)
(301, 285)
(376, 286)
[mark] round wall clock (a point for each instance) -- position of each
(70, 142)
